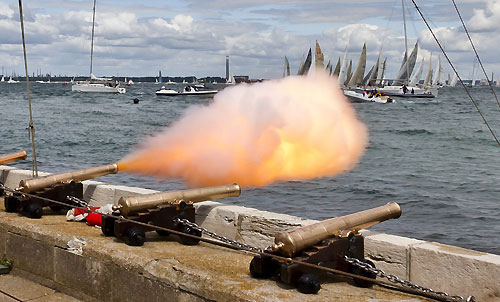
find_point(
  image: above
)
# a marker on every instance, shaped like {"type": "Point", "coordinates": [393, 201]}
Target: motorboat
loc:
{"type": "Point", "coordinates": [376, 97]}
{"type": "Point", "coordinates": [188, 90]}
{"type": "Point", "coordinates": [97, 87]}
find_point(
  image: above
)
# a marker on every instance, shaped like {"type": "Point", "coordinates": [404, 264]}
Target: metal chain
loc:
{"type": "Point", "coordinates": [405, 283]}
{"type": "Point", "coordinates": [218, 237]}
{"type": "Point", "coordinates": [77, 201]}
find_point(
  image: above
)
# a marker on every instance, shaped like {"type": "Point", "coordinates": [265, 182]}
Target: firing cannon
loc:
{"type": "Point", "coordinates": [325, 243]}
{"type": "Point", "coordinates": [54, 187]}
{"type": "Point", "coordinates": [164, 209]}
{"type": "Point", "coordinates": [8, 158]}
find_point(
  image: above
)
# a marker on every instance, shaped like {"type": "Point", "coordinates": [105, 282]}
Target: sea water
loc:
{"type": "Point", "coordinates": [435, 157]}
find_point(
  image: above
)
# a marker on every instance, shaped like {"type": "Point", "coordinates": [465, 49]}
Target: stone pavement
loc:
{"type": "Point", "coordinates": [14, 288]}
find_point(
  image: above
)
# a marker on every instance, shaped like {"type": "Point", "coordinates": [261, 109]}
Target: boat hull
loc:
{"type": "Point", "coordinates": [417, 92]}
{"type": "Point", "coordinates": [97, 88]}
{"type": "Point", "coordinates": [361, 98]}
{"type": "Point", "coordinates": [170, 92]}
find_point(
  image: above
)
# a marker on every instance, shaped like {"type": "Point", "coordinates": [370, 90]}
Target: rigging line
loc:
{"type": "Point", "coordinates": [475, 51]}
{"type": "Point", "coordinates": [456, 73]}
{"type": "Point", "coordinates": [246, 250]}
{"type": "Point", "coordinates": [31, 126]}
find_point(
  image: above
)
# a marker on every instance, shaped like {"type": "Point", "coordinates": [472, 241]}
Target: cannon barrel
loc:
{"type": "Point", "coordinates": [133, 204]}
{"type": "Point", "coordinates": [34, 184]}
{"type": "Point", "coordinates": [289, 243]}
{"type": "Point", "coordinates": [8, 158]}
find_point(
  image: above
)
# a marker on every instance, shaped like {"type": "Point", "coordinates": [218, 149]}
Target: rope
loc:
{"type": "Point", "coordinates": [456, 73]}
{"type": "Point", "coordinates": [247, 250]}
{"type": "Point", "coordinates": [31, 126]}
{"type": "Point", "coordinates": [475, 51]}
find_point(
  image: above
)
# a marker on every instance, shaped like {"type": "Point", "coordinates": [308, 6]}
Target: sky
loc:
{"type": "Point", "coordinates": [193, 37]}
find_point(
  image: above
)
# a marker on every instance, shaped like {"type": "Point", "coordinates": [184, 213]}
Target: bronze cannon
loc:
{"type": "Point", "coordinates": [10, 157]}
{"type": "Point", "coordinates": [163, 209]}
{"type": "Point", "coordinates": [52, 187]}
{"type": "Point", "coordinates": [327, 243]}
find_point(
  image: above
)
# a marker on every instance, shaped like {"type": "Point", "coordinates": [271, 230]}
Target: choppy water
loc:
{"type": "Point", "coordinates": [435, 157]}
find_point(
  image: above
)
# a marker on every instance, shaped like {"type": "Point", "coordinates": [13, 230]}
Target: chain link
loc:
{"type": "Point", "coordinates": [218, 237]}
{"type": "Point", "coordinates": [405, 283]}
{"type": "Point", "coordinates": [77, 201]}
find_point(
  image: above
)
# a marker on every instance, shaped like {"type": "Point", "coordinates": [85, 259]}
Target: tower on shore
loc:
{"type": "Point", "coordinates": [227, 68]}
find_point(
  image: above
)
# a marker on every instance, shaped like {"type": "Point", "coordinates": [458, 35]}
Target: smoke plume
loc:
{"type": "Point", "coordinates": [288, 129]}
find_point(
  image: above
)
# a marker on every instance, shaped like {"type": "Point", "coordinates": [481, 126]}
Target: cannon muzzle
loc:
{"type": "Point", "coordinates": [290, 243]}
{"type": "Point", "coordinates": [8, 158]}
{"type": "Point", "coordinates": [30, 185]}
{"type": "Point", "coordinates": [133, 204]}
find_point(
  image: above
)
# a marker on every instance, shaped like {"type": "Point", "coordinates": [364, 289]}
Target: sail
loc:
{"type": "Point", "coordinates": [328, 67]}
{"type": "Point", "coordinates": [286, 68]}
{"type": "Point", "coordinates": [357, 76]}
{"type": "Point", "coordinates": [304, 69]}
{"type": "Point", "coordinates": [159, 76]}
{"type": "Point", "coordinates": [407, 68]}
{"type": "Point", "coordinates": [428, 76]}
{"type": "Point", "coordinates": [319, 58]}
{"type": "Point", "coordinates": [368, 76]}
{"type": "Point", "coordinates": [343, 69]}
{"type": "Point", "coordinates": [417, 75]}
{"type": "Point", "coordinates": [348, 73]}
{"type": "Point", "coordinates": [380, 77]}
{"type": "Point", "coordinates": [454, 80]}
{"type": "Point", "coordinates": [336, 71]}
{"type": "Point", "coordinates": [438, 74]}
{"type": "Point", "coordinates": [373, 75]}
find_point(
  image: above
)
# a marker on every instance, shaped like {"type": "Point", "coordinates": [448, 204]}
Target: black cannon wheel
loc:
{"type": "Point", "coordinates": [135, 236]}
{"type": "Point", "coordinates": [34, 210]}
{"type": "Point", "coordinates": [308, 284]}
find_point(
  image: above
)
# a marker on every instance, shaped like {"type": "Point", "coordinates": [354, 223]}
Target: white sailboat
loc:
{"type": "Point", "coordinates": [12, 81]}
{"type": "Point", "coordinates": [3, 79]}
{"type": "Point", "coordinates": [97, 84]}
{"type": "Point", "coordinates": [400, 86]}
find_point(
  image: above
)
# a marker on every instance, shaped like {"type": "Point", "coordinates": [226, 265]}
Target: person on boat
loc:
{"type": "Point", "coordinates": [412, 91]}
{"type": "Point", "coordinates": [405, 89]}
{"type": "Point", "coordinates": [187, 88]}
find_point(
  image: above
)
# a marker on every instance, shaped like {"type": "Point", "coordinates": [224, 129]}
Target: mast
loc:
{"type": "Point", "coordinates": [406, 41]}
{"type": "Point", "coordinates": [92, 43]}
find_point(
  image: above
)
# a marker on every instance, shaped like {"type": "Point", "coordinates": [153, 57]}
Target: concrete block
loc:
{"type": "Point", "coordinates": [389, 253]}
{"type": "Point", "coordinates": [14, 176]}
{"type": "Point", "coordinates": [129, 285]}
{"type": "Point", "coordinates": [248, 225]}
{"type": "Point", "coordinates": [123, 191]}
{"type": "Point", "coordinates": [4, 170]}
{"type": "Point", "coordinates": [86, 274]}
{"type": "Point", "coordinates": [456, 271]}
{"type": "Point", "coordinates": [31, 255]}
{"type": "Point", "coordinates": [101, 194]}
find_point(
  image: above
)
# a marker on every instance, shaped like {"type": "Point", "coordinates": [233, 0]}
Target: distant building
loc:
{"type": "Point", "coordinates": [242, 79]}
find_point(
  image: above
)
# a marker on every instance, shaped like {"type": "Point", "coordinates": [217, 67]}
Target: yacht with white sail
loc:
{"type": "Point", "coordinates": [12, 81]}
{"type": "Point", "coordinates": [96, 84]}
